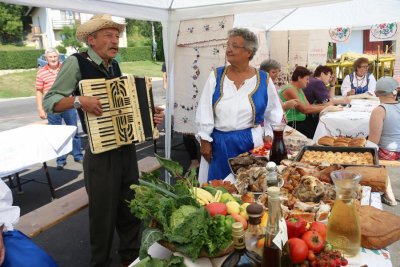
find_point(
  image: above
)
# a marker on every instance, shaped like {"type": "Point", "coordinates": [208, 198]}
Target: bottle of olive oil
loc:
{"type": "Point", "coordinates": [241, 257]}
{"type": "Point", "coordinates": [276, 248]}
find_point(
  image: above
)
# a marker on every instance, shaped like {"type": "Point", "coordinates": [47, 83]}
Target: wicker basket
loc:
{"type": "Point", "coordinates": [203, 253]}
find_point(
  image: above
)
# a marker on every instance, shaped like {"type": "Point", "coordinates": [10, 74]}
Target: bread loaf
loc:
{"type": "Point", "coordinates": [379, 228]}
{"type": "Point", "coordinates": [326, 141]}
{"type": "Point", "coordinates": [357, 142]}
{"type": "Point", "coordinates": [375, 177]}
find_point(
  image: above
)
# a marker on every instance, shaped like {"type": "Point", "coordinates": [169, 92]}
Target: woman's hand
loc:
{"type": "Point", "coordinates": [352, 92]}
{"type": "Point", "coordinates": [290, 104]}
{"type": "Point", "coordinates": [206, 150]}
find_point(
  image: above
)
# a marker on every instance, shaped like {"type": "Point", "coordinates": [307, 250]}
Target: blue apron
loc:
{"type": "Point", "coordinates": [359, 89]}
{"type": "Point", "coordinates": [22, 252]}
{"type": "Point", "coordinates": [227, 145]}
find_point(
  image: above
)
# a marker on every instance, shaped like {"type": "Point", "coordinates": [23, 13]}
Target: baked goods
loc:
{"type": "Point", "coordinates": [310, 189]}
{"type": "Point", "coordinates": [375, 177]}
{"type": "Point", "coordinates": [357, 142]}
{"type": "Point", "coordinates": [379, 228]}
{"type": "Point", "coordinates": [342, 141]}
{"type": "Point", "coordinates": [350, 158]}
{"type": "Point", "coordinates": [297, 214]}
{"type": "Point", "coordinates": [326, 141]}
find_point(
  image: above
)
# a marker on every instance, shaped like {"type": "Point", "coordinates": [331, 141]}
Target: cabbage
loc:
{"type": "Point", "coordinates": [178, 217]}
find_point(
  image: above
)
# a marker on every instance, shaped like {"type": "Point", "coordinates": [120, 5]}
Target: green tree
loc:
{"type": "Point", "coordinates": [11, 26]}
{"type": "Point", "coordinates": [139, 33]}
{"type": "Point", "coordinates": [69, 39]}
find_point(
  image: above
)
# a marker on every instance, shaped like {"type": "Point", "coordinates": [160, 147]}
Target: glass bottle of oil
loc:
{"type": "Point", "coordinates": [344, 232]}
{"type": "Point", "coordinates": [255, 231]}
{"type": "Point", "coordinates": [276, 249]}
{"type": "Point", "coordinates": [241, 257]}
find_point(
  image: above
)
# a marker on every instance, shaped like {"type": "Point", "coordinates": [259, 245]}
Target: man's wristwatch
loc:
{"type": "Point", "coordinates": [77, 103]}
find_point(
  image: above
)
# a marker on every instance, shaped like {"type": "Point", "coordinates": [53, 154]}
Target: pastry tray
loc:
{"type": "Point", "coordinates": [372, 150]}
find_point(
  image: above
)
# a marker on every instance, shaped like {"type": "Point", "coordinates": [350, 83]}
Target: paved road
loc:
{"type": "Point", "coordinates": [21, 111]}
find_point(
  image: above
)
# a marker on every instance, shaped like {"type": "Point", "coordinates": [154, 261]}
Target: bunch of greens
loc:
{"type": "Point", "coordinates": [179, 218]}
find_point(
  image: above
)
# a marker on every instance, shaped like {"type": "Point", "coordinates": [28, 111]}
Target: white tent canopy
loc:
{"type": "Point", "coordinates": [355, 14]}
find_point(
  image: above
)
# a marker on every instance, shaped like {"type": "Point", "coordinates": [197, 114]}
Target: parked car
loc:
{"type": "Point", "coordinates": [41, 61]}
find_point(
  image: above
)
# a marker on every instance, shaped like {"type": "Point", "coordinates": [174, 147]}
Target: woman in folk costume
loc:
{"type": "Point", "coordinates": [360, 81]}
{"type": "Point", "coordinates": [235, 101]}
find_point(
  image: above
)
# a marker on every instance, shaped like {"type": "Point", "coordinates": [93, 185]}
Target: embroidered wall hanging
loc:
{"type": "Point", "coordinates": [383, 32]}
{"type": "Point", "coordinates": [200, 46]}
{"type": "Point", "coordinates": [340, 34]}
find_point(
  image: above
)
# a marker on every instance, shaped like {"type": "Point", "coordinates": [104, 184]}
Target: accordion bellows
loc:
{"type": "Point", "coordinates": [127, 118]}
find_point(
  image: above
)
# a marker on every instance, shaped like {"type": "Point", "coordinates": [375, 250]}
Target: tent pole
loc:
{"type": "Point", "coordinates": [170, 93]}
{"type": "Point", "coordinates": [279, 21]}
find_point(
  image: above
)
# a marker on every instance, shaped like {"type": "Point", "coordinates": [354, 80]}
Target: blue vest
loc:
{"type": "Point", "coordinates": [258, 99]}
{"type": "Point", "coordinates": [359, 90]}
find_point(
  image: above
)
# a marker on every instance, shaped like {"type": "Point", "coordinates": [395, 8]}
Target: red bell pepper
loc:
{"type": "Point", "coordinates": [296, 227]}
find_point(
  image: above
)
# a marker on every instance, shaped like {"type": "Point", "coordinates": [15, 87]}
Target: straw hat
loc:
{"type": "Point", "coordinates": [97, 22]}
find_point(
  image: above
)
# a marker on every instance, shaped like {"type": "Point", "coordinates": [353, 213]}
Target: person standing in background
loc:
{"type": "Point", "coordinates": [164, 75]}
{"type": "Point", "coordinates": [44, 80]}
{"type": "Point", "coordinates": [273, 68]}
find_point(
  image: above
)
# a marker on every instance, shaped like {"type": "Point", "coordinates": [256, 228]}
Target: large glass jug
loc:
{"type": "Point", "coordinates": [344, 231]}
{"type": "Point", "coordinates": [278, 149]}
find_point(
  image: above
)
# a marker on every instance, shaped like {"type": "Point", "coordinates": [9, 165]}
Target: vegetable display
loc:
{"type": "Point", "coordinates": [174, 214]}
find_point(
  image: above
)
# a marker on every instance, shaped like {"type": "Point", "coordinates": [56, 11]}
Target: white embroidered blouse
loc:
{"type": "Point", "coordinates": [233, 111]}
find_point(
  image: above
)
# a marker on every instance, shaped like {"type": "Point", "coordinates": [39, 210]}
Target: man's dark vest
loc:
{"type": "Point", "coordinates": [90, 70]}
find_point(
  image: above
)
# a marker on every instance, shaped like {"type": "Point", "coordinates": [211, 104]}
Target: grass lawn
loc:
{"type": "Point", "coordinates": [15, 47]}
{"type": "Point", "coordinates": [22, 84]}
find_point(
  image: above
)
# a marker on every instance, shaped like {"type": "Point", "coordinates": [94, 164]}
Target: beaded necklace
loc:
{"type": "Point", "coordinates": [359, 80]}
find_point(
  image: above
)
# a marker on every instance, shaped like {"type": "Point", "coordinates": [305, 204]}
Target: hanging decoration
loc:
{"type": "Point", "coordinates": [340, 34]}
{"type": "Point", "coordinates": [200, 47]}
{"type": "Point", "coordinates": [383, 32]}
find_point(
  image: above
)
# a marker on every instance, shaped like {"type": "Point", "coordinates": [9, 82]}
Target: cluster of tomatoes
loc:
{"type": "Point", "coordinates": [309, 248]}
{"type": "Point", "coordinates": [262, 150]}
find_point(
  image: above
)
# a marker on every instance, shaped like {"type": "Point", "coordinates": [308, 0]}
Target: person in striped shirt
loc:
{"type": "Point", "coordinates": [44, 80]}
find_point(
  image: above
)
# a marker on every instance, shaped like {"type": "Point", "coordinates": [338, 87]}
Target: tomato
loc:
{"type": "Point", "coordinates": [311, 255]}
{"type": "Point", "coordinates": [314, 241]}
{"type": "Point", "coordinates": [343, 262]}
{"type": "Point", "coordinates": [217, 208]}
{"type": "Point", "coordinates": [320, 228]}
{"type": "Point", "coordinates": [298, 250]}
{"type": "Point", "coordinates": [240, 219]}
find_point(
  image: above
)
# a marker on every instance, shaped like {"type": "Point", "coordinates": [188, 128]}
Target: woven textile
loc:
{"type": "Point", "coordinates": [200, 48]}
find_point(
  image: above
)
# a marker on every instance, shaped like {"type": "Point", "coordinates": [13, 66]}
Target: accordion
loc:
{"type": "Point", "coordinates": [127, 118]}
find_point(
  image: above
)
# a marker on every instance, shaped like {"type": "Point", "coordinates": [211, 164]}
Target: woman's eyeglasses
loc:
{"type": "Point", "coordinates": [233, 46]}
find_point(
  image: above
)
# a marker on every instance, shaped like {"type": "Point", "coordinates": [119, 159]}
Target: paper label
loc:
{"type": "Point", "coordinates": [281, 238]}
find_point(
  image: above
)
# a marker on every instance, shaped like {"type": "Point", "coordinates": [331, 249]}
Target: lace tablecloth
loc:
{"type": "Point", "coordinates": [351, 122]}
